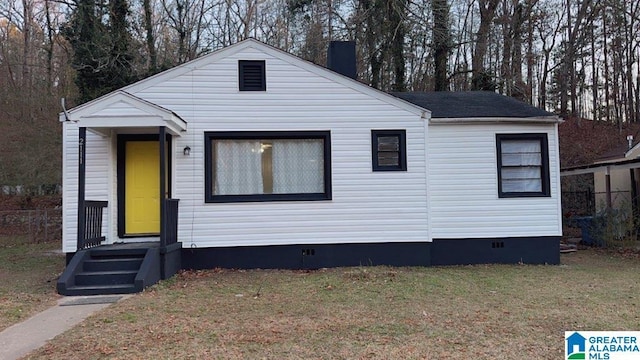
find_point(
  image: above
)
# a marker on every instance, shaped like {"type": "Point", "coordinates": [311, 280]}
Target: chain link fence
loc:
{"type": "Point", "coordinates": [39, 225]}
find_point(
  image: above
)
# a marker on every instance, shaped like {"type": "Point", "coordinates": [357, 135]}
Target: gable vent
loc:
{"type": "Point", "coordinates": [252, 75]}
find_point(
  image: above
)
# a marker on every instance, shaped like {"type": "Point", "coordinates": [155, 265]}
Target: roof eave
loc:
{"type": "Point", "coordinates": [601, 167]}
{"type": "Point", "coordinates": [496, 120]}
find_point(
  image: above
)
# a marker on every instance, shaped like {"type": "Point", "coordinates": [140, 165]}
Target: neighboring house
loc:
{"type": "Point", "coordinates": [616, 178]}
{"type": "Point", "coordinates": [270, 161]}
{"type": "Point", "coordinates": [623, 185]}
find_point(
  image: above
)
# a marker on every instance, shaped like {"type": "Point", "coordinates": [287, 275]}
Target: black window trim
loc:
{"type": "Point", "coordinates": [402, 153]}
{"type": "Point", "coordinates": [544, 145]}
{"type": "Point", "coordinates": [265, 135]}
{"type": "Point", "coordinates": [241, 76]}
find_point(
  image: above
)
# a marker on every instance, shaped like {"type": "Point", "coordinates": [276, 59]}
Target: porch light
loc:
{"type": "Point", "coordinates": [186, 151]}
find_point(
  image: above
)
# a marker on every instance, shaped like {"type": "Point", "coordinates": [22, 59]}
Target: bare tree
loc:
{"type": "Point", "coordinates": [441, 43]}
{"type": "Point", "coordinates": [481, 80]}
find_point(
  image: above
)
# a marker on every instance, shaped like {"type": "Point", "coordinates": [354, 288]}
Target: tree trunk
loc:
{"type": "Point", "coordinates": [530, 55]}
{"type": "Point", "coordinates": [480, 79]}
{"type": "Point", "coordinates": [594, 76]}
{"type": "Point", "coordinates": [518, 87]}
{"type": "Point", "coordinates": [396, 12]}
{"type": "Point", "coordinates": [507, 43]}
{"type": "Point", "coordinates": [606, 65]}
{"type": "Point", "coordinates": [150, 38]}
{"type": "Point", "coordinates": [629, 39]}
{"type": "Point", "coordinates": [372, 48]}
{"type": "Point", "coordinates": [50, 47]}
{"type": "Point", "coordinates": [567, 66]}
{"type": "Point", "coordinates": [441, 41]}
{"type": "Point", "coordinates": [575, 30]}
{"type": "Point", "coordinates": [27, 113]}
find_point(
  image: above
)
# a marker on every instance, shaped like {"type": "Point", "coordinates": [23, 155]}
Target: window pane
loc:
{"type": "Point", "coordinates": [278, 166]}
{"type": "Point", "coordinates": [388, 158]}
{"type": "Point", "coordinates": [388, 143]}
{"type": "Point", "coordinates": [522, 185]}
{"type": "Point", "coordinates": [266, 147]}
{"type": "Point", "coordinates": [298, 166]}
{"type": "Point", "coordinates": [521, 173]}
{"type": "Point", "coordinates": [237, 167]}
{"type": "Point", "coordinates": [248, 166]}
{"type": "Point", "coordinates": [521, 159]}
{"type": "Point", "coordinates": [520, 146]}
{"type": "Point", "coordinates": [521, 170]}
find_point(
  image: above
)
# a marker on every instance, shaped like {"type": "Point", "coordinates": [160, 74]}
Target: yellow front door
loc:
{"type": "Point", "coordinates": [142, 188]}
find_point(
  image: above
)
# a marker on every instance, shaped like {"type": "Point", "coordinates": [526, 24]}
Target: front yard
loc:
{"type": "Point", "coordinates": [28, 274]}
{"type": "Point", "coordinates": [478, 312]}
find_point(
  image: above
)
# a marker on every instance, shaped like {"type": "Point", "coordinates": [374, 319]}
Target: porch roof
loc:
{"type": "Point", "coordinates": [121, 110]}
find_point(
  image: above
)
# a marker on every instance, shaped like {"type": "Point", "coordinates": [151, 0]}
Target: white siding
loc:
{"type": "Point", "coordinates": [121, 107]}
{"type": "Point", "coordinates": [366, 206]}
{"type": "Point", "coordinates": [98, 152]}
{"type": "Point", "coordinates": [463, 186]}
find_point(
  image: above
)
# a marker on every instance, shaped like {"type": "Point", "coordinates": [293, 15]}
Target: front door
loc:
{"type": "Point", "coordinates": [142, 188]}
{"type": "Point", "coordinates": [138, 186]}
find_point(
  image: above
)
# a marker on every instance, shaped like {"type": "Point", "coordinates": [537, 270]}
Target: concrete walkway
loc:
{"type": "Point", "coordinates": [20, 339]}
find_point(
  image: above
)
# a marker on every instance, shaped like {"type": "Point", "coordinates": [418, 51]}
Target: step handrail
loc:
{"type": "Point", "coordinates": [90, 233]}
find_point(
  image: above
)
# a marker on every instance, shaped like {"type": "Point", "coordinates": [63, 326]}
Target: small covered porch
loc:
{"type": "Point", "coordinates": [126, 239]}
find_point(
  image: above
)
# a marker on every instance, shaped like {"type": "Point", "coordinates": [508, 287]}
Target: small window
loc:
{"type": "Point", "coordinates": [252, 75]}
{"type": "Point", "coordinates": [388, 150]}
{"type": "Point", "coordinates": [267, 166]}
{"type": "Point", "coordinates": [523, 165]}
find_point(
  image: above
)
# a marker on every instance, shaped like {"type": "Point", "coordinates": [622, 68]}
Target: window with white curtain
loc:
{"type": "Point", "coordinates": [523, 165]}
{"type": "Point", "coordinates": [267, 166]}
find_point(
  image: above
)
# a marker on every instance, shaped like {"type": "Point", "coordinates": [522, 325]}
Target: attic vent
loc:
{"type": "Point", "coordinates": [252, 75]}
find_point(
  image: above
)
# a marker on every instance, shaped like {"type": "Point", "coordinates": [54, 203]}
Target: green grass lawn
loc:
{"type": "Point", "coordinates": [463, 312]}
{"type": "Point", "coordinates": [28, 273]}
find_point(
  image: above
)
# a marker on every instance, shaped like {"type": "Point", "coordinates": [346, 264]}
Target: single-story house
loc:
{"type": "Point", "coordinates": [251, 157]}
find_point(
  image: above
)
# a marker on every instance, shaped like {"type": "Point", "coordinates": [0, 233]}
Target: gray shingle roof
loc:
{"type": "Point", "coordinates": [472, 104]}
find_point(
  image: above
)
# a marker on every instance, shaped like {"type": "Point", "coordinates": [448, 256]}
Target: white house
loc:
{"type": "Point", "coordinates": [270, 161]}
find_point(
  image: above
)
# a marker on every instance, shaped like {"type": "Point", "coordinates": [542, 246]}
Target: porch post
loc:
{"type": "Point", "coordinates": [607, 178]}
{"type": "Point", "coordinates": [82, 139]}
{"type": "Point", "coordinates": [163, 171]}
{"type": "Point", "coordinates": [634, 192]}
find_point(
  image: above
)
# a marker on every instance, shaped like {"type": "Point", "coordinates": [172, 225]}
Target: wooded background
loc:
{"type": "Point", "coordinates": [578, 58]}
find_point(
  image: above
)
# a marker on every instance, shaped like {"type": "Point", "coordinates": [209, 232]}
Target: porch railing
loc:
{"type": "Point", "coordinates": [90, 234]}
{"type": "Point", "coordinates": [169, 232]}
